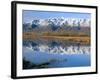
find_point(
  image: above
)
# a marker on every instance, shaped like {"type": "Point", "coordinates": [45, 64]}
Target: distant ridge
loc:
{"type": "Point", "coordinates": [55, 24]}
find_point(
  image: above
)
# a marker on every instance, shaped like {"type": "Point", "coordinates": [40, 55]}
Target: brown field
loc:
{"type": "Point", "coordinates": [75, 38]}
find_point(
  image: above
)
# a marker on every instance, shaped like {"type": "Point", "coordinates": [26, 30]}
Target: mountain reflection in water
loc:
{"type": "Point", "coordinates": [43, 53]}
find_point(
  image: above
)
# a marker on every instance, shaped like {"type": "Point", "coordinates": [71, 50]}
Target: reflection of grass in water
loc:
{"type": "Point", "coordinates": [30, 65]}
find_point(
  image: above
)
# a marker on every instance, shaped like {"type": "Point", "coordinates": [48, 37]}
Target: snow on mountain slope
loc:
{"type": "Point", "coordinates": [59, 22]}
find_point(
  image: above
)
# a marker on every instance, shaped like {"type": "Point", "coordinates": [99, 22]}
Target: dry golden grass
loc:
{"type": "Point", "coordinates": [76, 39]}
{"type": "Point", "coordinates": [69, 38]}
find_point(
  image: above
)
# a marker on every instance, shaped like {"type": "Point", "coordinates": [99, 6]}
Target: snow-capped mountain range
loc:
{"type": "Point", "coordinates": [55, 23]}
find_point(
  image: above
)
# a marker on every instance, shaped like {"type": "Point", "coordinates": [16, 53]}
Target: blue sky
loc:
{"type": "Point", "coordinates": [29, 15]}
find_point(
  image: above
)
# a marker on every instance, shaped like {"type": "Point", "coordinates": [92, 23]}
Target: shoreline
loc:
{"type": "Point", "coordinates": [74, 39]}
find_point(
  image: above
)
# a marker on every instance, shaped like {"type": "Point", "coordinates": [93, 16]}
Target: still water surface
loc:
{"type": "Point", "coordinates": [44, 53]}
